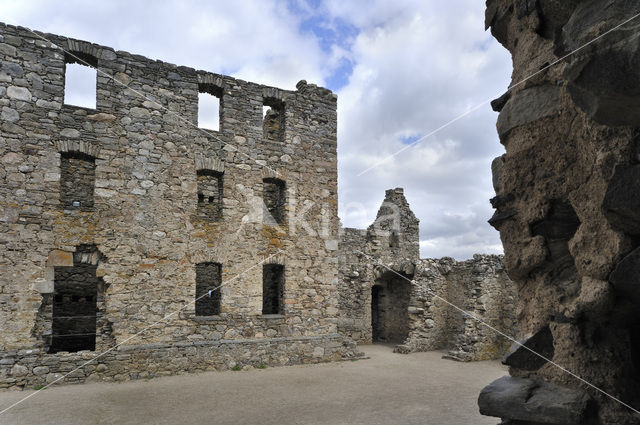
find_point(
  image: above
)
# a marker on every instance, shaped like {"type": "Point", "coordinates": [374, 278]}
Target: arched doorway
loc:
{"type": "Point", "coordinates": [389, 309]}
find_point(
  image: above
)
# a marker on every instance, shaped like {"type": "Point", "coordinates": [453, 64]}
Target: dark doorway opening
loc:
{"type": "Point", "coordinates": [74, 308]}
{"type": "Point", "coordinates": [389, 309]}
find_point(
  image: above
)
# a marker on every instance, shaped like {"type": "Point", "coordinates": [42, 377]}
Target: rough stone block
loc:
{"type": "Point", "coordinates": [19, 370]}
{"type": "Point", "coordinates": [44, 286]}
{"type": "Point", "coordinates": [599, 83]}
{"type": "Point", "coordinates": [528, 106]}
{"type": "Point", "coordinates": [59, 258]}
{"type": "Point", "coordinates": [18, 93]}
{"type": "Point", "coordinates": [535, 401]}
{"type": "Point", "coordinates": [625, 278]}
{"type": "Point", "coordinates": [621, 202]}
{"type": "Point", "coordinates": [40, 370]}
{"type": "Point", "coordinates": [523, 358]}
{"type": "Point", "coordinates": [9, 114]}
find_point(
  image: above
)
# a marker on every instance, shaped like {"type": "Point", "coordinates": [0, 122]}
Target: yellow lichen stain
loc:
{"type": "Point", "coordinates": [274, 236]}
{"type": "Point", "coordinates": [82, 226]}
{"type": "Point", "coordinates": [10, 204]}
{"type": "Point", "coordinates": [488, 352]}
{"type": "Point", "coordinates": [207, 230]}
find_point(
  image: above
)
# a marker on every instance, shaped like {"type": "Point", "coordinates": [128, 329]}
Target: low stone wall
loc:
{"type": "Point", "coordinates": [26, 369]}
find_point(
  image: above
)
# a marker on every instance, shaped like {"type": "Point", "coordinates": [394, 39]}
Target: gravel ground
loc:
{"type": "Point", "coordinates": [387, 388]}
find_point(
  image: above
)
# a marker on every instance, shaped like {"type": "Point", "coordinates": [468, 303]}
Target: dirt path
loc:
{"type": "Point", "coordinates": [388, 388]}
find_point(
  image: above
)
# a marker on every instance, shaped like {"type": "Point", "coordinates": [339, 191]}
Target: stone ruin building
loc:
{"type": "Point", "coordinates": [113, 218]}
{"type": "Point", "coordinates": [129, 232]}
{"type": "Point", "coordinates": [389, 294]}
{"type": "Point", "coordinates": [567, 208]}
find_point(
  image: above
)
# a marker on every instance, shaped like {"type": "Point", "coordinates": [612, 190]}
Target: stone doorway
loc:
{"type": "Point", "coordinates": [389, 309]}
{"type": "Point", "coordinates": [75, 302]}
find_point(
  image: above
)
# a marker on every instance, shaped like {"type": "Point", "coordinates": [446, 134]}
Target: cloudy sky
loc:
{"type": "Point", "coordinates": [400, 68]}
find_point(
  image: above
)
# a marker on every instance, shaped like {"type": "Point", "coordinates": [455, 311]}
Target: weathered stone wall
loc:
{"type": "Point", "coordinates": [372, 261]}
{"type": "Point", "coordinates": [480, 287]}
{"type": "Point", "coordinates": [391, 240]}
{"type": "Point", "coordinates": [145, 222]}
{"type": "Point", "coordinates": [28, 368]}
{"type": "Point", "coordinates": [567, 191]}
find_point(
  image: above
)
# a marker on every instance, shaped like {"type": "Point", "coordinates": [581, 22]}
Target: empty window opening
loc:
{"type": "Point", "coordinates": [77, 180]}
{"type": "Point", "coordinates": [74, 308]}
{"type": "Point", "coordinates": [390, 309]}
{"type": "Point", "coordinates": [80, 80]}
{"type": "Point", "coordinates": [274, 198]}
{"type": "Point", "coordinates": [394, 240]}
{"type": "Point", "coordinates": [272, 289]}
{"type": "Point", "coordinates": [273, 120]}
{"type": "Point", "coordinates": [209, 195]}
{"type": "Point", "coordinates": [208, 295]}
{"type": "Point", "coordinates": [209, 107]}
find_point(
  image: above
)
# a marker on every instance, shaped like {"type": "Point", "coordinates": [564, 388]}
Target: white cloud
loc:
{"type": "Point", "coordinates": [259, 41]}
{"type": "Point", "coordinates": [419, 65]}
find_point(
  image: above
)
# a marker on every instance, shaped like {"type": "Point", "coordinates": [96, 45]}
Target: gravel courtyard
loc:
{"type": "Point", "coordinates": [387, 388]}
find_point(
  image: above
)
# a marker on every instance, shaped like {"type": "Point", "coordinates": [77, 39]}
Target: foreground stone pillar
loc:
{"type": "Point", "coordinates": [567, 208]}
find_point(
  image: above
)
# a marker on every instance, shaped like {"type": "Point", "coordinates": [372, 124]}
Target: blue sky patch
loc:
{"type": "Point", "coordinates": [329, 33]}
{"type": "Point", "coordinates": [408, 140]}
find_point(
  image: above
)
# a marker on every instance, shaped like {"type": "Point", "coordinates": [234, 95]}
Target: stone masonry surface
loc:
{"type": "Point", "coordinates": [130, 194]}
{"type": "Point", "coordinates": [567, 208]}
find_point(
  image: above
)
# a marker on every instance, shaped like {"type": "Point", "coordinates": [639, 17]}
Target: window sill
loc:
{"type": "Point", "coordinates": [70, 210]}
{"type": "Point", "coordinates": [272, 316]}
{"type": "Point", "coordinates": [67, 107]}
{"type": "Point", "coordinates": [210, 130]}
{"type": "Point", "coordinates": [214, 318]}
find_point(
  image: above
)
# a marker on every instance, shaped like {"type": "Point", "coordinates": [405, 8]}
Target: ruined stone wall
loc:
{"type": "Point", "coordinates": [392, 240]}
{"type": "Point", "coordinates": [490, 296]}
{"type": "Point", "coordinates": [480, 287]}
{"type": "Point", "coordinates": [145, 221]}
{"type": "Point", "coordinates": [373, 258]}
{"type": "Point", "coordinates": [567, 190]}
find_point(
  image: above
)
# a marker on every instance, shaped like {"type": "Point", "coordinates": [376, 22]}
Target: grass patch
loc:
{"type": "Point", "coordinates": [262, 366]}
{"type": "Point", "coordinates": [38, 387]}
{"type": "Point", "coordinates": [237, 367]}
